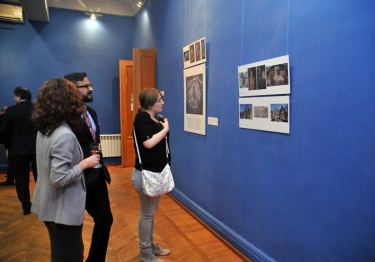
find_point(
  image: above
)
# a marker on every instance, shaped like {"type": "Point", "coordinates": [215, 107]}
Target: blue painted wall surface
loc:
{"type": "Point", "coordinates": [32, 53]}
{"type": "Point", "coordinates": [306, 196]}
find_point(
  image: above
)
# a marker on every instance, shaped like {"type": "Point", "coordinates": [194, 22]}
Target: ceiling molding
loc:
{"type": "Point", "coordinates": [37, 10]}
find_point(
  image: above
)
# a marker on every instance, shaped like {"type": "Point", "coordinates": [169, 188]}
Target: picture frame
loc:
{"type": "Point", "coordinates": [267, 77]}
{"type": "Point", "coordinates": [195, 99]}
{"type": "Point", "coordinates": [194, 53]}
{"type": "Point", "coordinates": [268, 113]}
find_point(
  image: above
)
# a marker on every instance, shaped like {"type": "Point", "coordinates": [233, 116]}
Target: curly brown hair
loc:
{"type": "Point", "coordinates": [58, 100]}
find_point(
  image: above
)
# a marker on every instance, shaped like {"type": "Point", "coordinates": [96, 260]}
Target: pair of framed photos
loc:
{"type": "Point", "coordinates": [265, 78]}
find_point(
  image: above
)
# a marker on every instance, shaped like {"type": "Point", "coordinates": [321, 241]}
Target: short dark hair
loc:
{"type": "Point", "coordinates": [22, 93]}
{"type": "Point", "coordinates": [75, 77]}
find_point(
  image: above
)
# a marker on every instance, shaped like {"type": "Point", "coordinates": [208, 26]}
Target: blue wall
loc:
{"type": "Point", "coordinates": [306, 196]}
{"type": "Point", "coordinates": [32, 53]}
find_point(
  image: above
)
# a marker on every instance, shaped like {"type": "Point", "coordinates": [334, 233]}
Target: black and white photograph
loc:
{"type": "Point", "coordinates": [279, 113]}
{"type": "Point", "coordinates": [246, 111]}
{"type": "Point", "coordinates": [195, 99]}
{"type": "Point", "coordinates": [194, 94]}
{"type": "Point", "coordinates": [266, 77]}
{"type": "Point", "coordinates": [277, 75]}
{"type": "Point", "coordinates": [267, 113]}
{"type": "Point", "coordinates": [243, 80]}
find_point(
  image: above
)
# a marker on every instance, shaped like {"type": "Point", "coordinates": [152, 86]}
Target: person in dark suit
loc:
{"type": "Point", "coordinates": [10, 177]}
{"type": "Point", "coordinates": [21, 134]}
{"type": "Point", "coordinates": [97, 199]}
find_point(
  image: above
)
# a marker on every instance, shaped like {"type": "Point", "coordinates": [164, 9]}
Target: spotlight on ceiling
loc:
{"type": "Point", "coordinates": [139, 4]}
{"type": "Point", "coordinates": [93, 16]}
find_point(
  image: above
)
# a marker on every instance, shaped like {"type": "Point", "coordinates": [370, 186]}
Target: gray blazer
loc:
{"type": "Point", "coordinates": [60, 192]}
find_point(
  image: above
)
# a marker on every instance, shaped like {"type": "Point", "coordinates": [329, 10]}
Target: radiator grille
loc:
{"type": "Point", "coordinates": [111, 145]}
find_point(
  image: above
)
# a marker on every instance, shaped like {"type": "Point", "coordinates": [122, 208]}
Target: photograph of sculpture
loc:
{"type": "Point", "coordinates": [267, 77]}
{"type": "Point", "coordinates": [192, 56]}
{"type": "Point", "coordinates": [261, 111]}
{"type": "Point", "coordinates": [261, 77]}
{"type": "Point", "coordinates": [267, 113]}
{"type": "Point", "coordinates": [279, 113]}
{"type": "Point", "coordinates": [196, 53]}
{"type": "Point", "coordinates": [186, 56]}
{"type": "Point", "coordinates": [203, 48]}
{"type": "Point", "coordinates": [195, 99]}
{"type": "Point", "coordinates": [252, 82]}
{"type": "Point", "coordinates": [277, 75]}
{"type": "Point", "coordinates": [243, 80]}
{"type": "Point", "coordinates": [246, 111]}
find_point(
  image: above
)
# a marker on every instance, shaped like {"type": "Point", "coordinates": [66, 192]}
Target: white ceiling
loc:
{"type": "Point", "coordinates": [36, 9]}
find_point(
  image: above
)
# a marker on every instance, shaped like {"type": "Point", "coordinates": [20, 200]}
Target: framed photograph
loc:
{"type": "Point", "coordinates": [194, 53]}
{"type": "Point", "coordinates": [267, 77]}
{"type": "Point", "coordinates": [195, 99]}
{"type": "Point", "coordinates": [270, 113]}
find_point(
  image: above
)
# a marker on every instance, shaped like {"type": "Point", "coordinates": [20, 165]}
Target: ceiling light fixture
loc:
{"type": "Point", "coordinates": [93, 15]}
{"type": "Point", "coordinates": [139, 4]}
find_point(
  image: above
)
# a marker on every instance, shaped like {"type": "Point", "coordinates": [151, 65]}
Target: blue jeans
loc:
{"type": "Point", "coordinates": [149, 205]}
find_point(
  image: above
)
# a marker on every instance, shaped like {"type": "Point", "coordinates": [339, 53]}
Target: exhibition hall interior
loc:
{"type": "Point", "coordinates": [269, 106]}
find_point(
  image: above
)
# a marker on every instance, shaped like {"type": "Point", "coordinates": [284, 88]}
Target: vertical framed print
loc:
{"type": "Point", "coordinates": [195, 99]}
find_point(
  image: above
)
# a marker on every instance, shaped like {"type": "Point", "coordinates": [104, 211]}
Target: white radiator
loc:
{"type": "Point", "coordinates": [111, 145]}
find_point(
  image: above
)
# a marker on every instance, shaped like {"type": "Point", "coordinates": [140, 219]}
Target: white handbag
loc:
{"type": "Point", "coordinates": [156, 183]}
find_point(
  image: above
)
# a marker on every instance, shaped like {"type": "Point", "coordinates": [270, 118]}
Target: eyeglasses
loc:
{"type": "Point", "coordinates": [86, 86]}
{"type": "Point", "coordinates": [159, 101]}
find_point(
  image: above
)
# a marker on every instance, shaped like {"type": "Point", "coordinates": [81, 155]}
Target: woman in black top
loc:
{"type": "Point", "coordinates": [150, 134]}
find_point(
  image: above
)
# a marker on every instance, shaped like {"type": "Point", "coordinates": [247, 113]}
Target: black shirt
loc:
{"type": "Point", "coordinates": [153, 159]}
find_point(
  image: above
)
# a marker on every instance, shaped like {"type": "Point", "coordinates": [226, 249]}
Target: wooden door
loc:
{"type": "Point", "coordinates": [134, 76]}
{"type": "Point", "coordinates": [126, 113]}
{"type": "Point", "coordinates": [144, 71]}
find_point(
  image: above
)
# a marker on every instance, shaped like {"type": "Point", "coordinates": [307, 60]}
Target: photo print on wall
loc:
{"type": "Point", "coordinates": [194, 53]}
{"type": "Point", "coordinates": [267, 77]}
{"type": "Point", "coordinates": [268, 113]}
{"type": "Point", "coordinates": [195, 99]}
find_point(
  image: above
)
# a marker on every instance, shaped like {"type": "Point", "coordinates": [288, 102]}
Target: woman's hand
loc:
{"type": "Point", "coordinates": [90, 162]}
{"type": "Point", "coordinates": [165, 124]}
{"type": "Point", "coordinates": [155, 139]}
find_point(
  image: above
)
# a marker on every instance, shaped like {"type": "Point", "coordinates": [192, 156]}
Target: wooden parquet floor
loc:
{"type": "Point", "coordinates": [25, 238]}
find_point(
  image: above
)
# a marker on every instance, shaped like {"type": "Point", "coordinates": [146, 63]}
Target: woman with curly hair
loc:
{"type": "Point", "coordinates": [60, 193]}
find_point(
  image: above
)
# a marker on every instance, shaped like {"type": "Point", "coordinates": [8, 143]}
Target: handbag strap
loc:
{"type": "Point", "coordinates": [139, 155]}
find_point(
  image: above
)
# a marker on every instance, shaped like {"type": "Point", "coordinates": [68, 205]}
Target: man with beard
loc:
{"type": "Point", "coordinates": [97, 200]}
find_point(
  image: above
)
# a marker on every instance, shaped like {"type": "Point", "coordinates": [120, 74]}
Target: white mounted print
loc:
{"type": "Point", "coordinates": [195, 53]}
{"type": "Point", "coordinates": [267, 77]}
{"type": "Point", "coordinates": [195, 99]}
{"type": "Point", "coordinates": [270, 113]}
